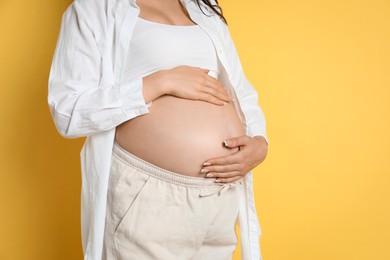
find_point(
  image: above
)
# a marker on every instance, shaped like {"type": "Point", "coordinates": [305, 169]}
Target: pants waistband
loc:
{"type": "Point", "coordinates": [170, 176]}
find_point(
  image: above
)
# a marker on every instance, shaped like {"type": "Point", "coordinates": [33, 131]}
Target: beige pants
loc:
{"type": "Point", "coordinates": [153, 213]}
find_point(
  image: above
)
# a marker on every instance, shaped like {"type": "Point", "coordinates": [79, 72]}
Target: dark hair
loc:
{"type": "Point", "coordinates": [219, 13]}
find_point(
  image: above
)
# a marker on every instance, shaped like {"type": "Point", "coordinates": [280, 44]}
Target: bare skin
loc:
{"type": "Point", "coordinates": [167, 11]}
{"type": "Point", "coordinates": [190, 117]}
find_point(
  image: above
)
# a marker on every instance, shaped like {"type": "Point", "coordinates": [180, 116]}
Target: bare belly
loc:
{"type": "Point", "coordinates": [180, 134]}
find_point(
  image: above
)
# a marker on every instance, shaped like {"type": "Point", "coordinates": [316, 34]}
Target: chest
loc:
{"type": "Point", "coordinates": [158, 46]}
{"type": "Point", "coordinates": [114, 40]}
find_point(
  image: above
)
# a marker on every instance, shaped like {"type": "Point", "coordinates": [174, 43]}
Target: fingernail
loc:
{"type": "Point", "coordinates": [204, 170]}
{"type": "Point", "coordinates": [225, 142]}
{"type": "Point", "coordinates": [206, 164]}
{"type": "Point", "coordinates": [217, 180]}
{"type": "Point", "coordinates": [209, 175]}
{"type": "Point", "coordinates": [223, 103]}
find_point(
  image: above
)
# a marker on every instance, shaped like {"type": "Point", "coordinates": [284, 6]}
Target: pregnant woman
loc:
{"type": "Point", "coordinates": [173, 129]}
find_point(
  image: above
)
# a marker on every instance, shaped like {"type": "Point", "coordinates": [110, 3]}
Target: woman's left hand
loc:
{"type": "Point", "coordinates": [252, 152]}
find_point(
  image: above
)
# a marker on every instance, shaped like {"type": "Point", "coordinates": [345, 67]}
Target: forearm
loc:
{"type": "Point", "coordinates": [153, 86]}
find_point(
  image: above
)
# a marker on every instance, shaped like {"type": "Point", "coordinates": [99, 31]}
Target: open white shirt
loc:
{"type": "Point", "coordinates": [87, 98]}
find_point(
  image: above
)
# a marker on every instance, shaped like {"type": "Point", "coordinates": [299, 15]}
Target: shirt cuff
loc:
{"type": "Point", "coordinates": [130, 94]}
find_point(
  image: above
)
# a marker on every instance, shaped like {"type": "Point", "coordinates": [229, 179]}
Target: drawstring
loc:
{"type": "Point", "coordinates": [220, 189]}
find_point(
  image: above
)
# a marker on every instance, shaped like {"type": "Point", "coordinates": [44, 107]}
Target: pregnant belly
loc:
{"type": "Point", "coordinates": [180, 134]}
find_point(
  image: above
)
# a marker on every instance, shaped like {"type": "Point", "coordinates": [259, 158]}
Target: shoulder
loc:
{"type": "Point", "coordinates": [88, 10]}
{"type": "Point", "coordinates": [91, 14]}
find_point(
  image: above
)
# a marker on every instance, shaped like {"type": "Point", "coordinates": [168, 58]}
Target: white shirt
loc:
{"type": "Point", "coordinates": [87, 98]}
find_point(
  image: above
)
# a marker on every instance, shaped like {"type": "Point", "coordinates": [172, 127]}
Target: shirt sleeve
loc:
{"type": "Point", "coordinates": [79, 104]}
{"type": "Point", "coordinates": [246, 94]}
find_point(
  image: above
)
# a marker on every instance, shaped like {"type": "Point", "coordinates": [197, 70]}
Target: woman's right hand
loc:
{"type": "Point", "coordinates": [193, 83]}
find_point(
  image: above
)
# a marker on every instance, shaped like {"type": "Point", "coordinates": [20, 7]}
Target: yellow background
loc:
{"type": "Point", "coordinates": [322, 72]}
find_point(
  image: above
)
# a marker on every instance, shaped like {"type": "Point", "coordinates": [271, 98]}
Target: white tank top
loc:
{"type": "Point", "coordinates": [155, 46]}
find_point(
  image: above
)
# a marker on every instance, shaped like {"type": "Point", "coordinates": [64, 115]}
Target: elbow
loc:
{"type": "Point", "coordinates": [62, 126]}
{"type": "Point", "coordinates": [64, 133]}
{"type": "Point", "coordinates": [61, 123]}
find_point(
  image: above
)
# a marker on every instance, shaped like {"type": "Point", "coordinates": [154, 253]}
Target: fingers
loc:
{"type": "Point", "coordinates": [226, 173]}
{"type": "Point", "coordinates": [223, 174]}
{"type": "Point", "coordinates": [204, 88]}
{"type": "Point", "coordinates": [212, 86]}
{"type": "Point", "coordinates": [226, 180]}
{"type": "Point", "coordinates": [198, 68]}
{"type": "Point", "coordinates": [238, 141]}
{"type": "Point", "coordinates": [222, 168]}
{"type": "Point", "coordinates": [228, 159]}
{"type": "Point", "coordinates": [203, 96]}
